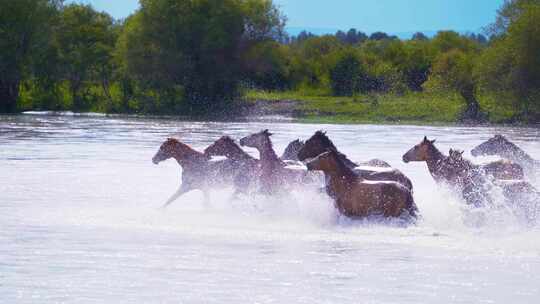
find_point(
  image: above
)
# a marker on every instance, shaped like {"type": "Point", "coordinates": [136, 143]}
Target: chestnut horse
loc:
{"type": "Point", "coordinates": [356, 197]}
{"type": "Point", "coordinates": [197, 171]}
{"type": "Point", "coordinates": [320, 143]}
{"type": "Point", "coordinates": [501, 146]}
{"type": "Point", "coordinates": [274, 177]}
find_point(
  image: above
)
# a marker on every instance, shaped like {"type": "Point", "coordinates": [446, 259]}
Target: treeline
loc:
{"type": "Point", "coordinates": [198, 56]}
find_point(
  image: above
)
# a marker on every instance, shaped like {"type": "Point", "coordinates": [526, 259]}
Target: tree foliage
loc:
{"type": "Point", "coordinates": [86, 41]}
{"type": "Point", "coordinates": [197, 56]}
{"type": "Point", "coordinates": [26, 27]}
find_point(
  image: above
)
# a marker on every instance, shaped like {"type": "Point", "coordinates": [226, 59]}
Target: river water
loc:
{"type": "Point", "coordinates": [80, 223]}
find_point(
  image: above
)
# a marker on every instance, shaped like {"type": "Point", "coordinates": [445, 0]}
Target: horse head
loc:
{"type": "Point", "coordinates": [420, 152]}
{"type": "Point", "coordinates": [172, 147]}
{"type": "Point", "coordinates": [315, 145]}
{"type": "Point", "coordinates": [493, 146]}
{"type": "Point", "coordinates": [328, 161]}
{"type": "Point", "coordinates": [257, 140]}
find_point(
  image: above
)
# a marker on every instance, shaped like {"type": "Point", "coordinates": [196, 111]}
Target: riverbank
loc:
{"type": "Point", "coordinates": [418, 108]}
{"type": "Point", "coordinates": [410, 108]}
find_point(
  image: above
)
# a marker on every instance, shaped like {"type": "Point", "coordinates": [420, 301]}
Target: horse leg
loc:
{"type": "Point", "coordinates": [183, 189]}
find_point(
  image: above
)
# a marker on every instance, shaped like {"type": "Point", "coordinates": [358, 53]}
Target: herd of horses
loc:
{"type": "Point", "coordinates": [358, 189]}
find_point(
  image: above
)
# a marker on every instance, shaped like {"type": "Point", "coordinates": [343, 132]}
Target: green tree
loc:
{"type": "Point", "coordinates": [509, 12]}
{"type": "Point", "coordinates": [194, 48]}
{"type": "Point", "coordinates": [25, 32]}
{"type": "Point", "coordinates": [86, 40]}
{"type": "Point", "coordinates": [312, 59]}
{"type": "Point", "coordinates": [267, 66]}
{"type": "Point", "coordinates": [347, 74]}
{"type": "Point", "coordinates": [445, 41]}
{"type": "Point", "coordinates": [512, 63]}
{"type": "Point", "coordinates": [419, 36]}
{"type": "Point", "coordinates": [453, 71]}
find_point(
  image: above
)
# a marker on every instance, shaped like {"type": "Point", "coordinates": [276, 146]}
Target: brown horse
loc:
{"type": "Point", "coordinates": [226, 146]}
{"type": "Point", "coordinates": [521, 195]}
{"type": "Point", "coordinates": [461, 174]}
{"type": "Point", "coordinates": [274, 177]}
{"type": "Point", "coordinates": [320, 143]}
{"type": "Point", "coordinates": [248, 168]}
{"type": "Point", "coordinates": [197, 171]}
{"type": "Point", "coordinates": [501, 146]}
{"type": "Point", "coordinates": [356, 197]}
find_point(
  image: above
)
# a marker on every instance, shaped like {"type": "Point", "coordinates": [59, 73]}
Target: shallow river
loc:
{"type": "Point", "coordinates": [80, 223]}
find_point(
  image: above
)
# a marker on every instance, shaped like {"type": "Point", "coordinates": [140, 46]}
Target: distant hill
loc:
{"type": "Point", "coordinates": [294, 31]}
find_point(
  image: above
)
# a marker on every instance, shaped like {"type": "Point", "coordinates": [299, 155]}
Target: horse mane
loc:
{"type": "Point", "coordinates": [435, 150]}
{"type": "Point", "coordinates": [187, 148]}
{"type": "Point", "coordinates": [330, 145]}
{"type": "Point", "coordinates": [342, 164]}
{"type": "Point", "coordinates": [519, 153]}
{"type": "Point", "coordinates": [291, 151]}
{"type": "Point", "coordinates": [325, 139]}
{"type": "Point", "coordinates": [509, 143]}
{"type": "Point", "coordinates": [233, 143]}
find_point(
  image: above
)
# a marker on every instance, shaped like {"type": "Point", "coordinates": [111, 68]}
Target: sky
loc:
{"type": "Point", "coordinates": [391, 16]}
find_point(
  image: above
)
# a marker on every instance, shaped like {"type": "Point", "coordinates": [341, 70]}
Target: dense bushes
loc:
{"type": "Point", "coordinates": [195, 56]}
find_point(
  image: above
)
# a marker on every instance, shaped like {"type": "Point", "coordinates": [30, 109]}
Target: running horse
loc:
{"type": "Point", "coordinates": [275, 176]}
{"type": "Point", "coordinates": [249, 168]}
{"type": "Point", "coordinates": [375, 169]}
{"type": "Point", "coordinates": [292, 149]}
{"type": "Point", "coordinates": [519, 194]}
{"type": "Point", "coordinates": [462, 175]}
{"type": "Point", "coordinates": [355, 196]}
{"type": "Point", "coordinates": [198, 172]}
{"type": "Point", "coordinates": [501, 146]}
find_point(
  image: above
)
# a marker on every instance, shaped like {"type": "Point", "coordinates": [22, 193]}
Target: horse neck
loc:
{"type": "Point", "coordinates": [189, 157]}
{"type": "Point", "coordinates": [343, 172]}
{"type": "Point", "coordinates": [516, 154]}
{"type": "Point", "coordinates": [267, 153]}
{"type": "Point", "coordinates": [236, 153]}
{"type": "Point", "coordinates": [347, 162]}
{"type": "Point", "coordinates": [434, 161]}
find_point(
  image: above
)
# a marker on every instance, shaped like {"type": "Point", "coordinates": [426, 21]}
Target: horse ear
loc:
{"type": "Point", "coordinates": [461, 153]}
{"type": "Point", "coordinates": [433, 141]}
{"type": "Point", "coordinates": [425, 139]}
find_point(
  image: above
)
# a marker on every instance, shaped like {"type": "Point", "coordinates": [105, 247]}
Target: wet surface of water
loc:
{"type": "Point", "coordinates": [80, 223]}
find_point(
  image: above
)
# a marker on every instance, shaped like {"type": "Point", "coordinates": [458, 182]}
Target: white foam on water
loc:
{"type": "Point", "coordinates": [80, 221]}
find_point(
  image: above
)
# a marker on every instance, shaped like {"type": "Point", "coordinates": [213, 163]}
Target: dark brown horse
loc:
{"type": "Point", "coordinates": [320, 143]}
{"type": "Point", "coordinates": [357, 197]}
{"type": "Point", "coordinates": [198, 172]}
{"type": "Point", "coordinates": [274, 177]}
{"type": "Point", "coordinates": [292, 149]}
{"type": "Point", "coordinates": [501, 146]}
